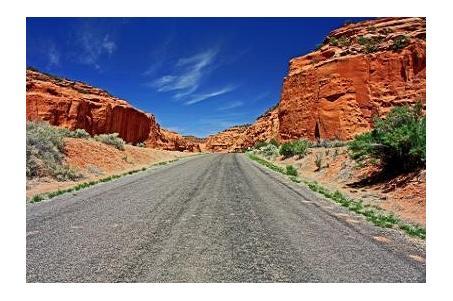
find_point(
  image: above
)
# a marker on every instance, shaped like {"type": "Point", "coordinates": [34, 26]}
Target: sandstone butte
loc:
{"type": "Point", "coordinates": [335, 91]}
{"type": "Point", "coordinates": [330, 93]}
{"type": "Point", "coordinates": [74, 104]}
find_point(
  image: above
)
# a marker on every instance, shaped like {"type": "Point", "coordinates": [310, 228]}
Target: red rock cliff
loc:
{"type": "Point", "coordinates": [361, 70]}
{"type": "Point", "coordinates": [73, 104]}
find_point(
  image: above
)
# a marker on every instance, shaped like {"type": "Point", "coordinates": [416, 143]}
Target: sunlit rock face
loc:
{"type": "Point", "coordinates": [73, 105]}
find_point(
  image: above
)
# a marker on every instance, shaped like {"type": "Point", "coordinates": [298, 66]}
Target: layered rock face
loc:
{"type": "Point", "coordinates": [225, 140]}
{"type": "Point", "coordinates": [73, 105]}
{"type": "Point", "coordinates": [170, 140]}
{"type": "Point", "coordinates": [362, 70]}
{"type": "Point", "coordinates": [265, 128]}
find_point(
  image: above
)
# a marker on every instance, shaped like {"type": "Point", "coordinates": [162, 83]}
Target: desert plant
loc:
{"type": "Point", "coordinates": [269, 150]}
{"type": "Point", "coordinates": [318, 161]}
{"type": "Point", "coordinates": [333, 41]}
{"type": "Point", "coordinates": [78, 133]}
{"type": "Point", "coordinates": [369, 44]}
{"type": "Point", "coordinates": [111, 139]}
{"type": "Point", "coordinates": [400, 42]}
{"type": "Point", "coordinates": [44, 152]}
{"type": "Point", "coordinates": [291, 170]}
{"type": "Point", "coordinates": [344, 41]}
{"type": "Point", "coordinates": [328, 143]}
{"type": "Point", "coordinates": [259, 144]}
{"type": "Point", "coordinates": [273, 141]}
{"type": "Point", "coordinates": [398, 141]}
{"type": "Point", "coordinates": [374, 215]}
{"type": "Point", "coordinates": [298, 147]}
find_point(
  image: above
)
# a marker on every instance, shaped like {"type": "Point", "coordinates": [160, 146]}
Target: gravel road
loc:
{"type": "Point", "coordinates": [211, 218]}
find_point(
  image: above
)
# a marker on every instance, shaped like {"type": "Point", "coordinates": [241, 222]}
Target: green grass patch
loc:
{"type": "Point", "coordinates": [374, 215]}
{"type": "Point", "coordinates": [289, 170]}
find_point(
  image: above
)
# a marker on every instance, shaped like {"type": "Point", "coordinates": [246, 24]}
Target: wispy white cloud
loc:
{"type": "Point", "coordinates": [158, 56]}
{"type": "Point", "coordinates": [108, 44]}
{"type": "Point", "coordinates": [201, 97]}
{"type": "Point", "coordinates": [93, 46]}
{"type": "Point", "coordinates": [187, 74]}
{"type": "Point", "coordinates": [231, 105]}
{"type": "Point", "coordinates": [53, 56]}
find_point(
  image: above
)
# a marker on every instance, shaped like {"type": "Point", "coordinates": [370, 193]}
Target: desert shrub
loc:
{"type": "Point", "coordinates": [400, 42]}
{"type": "Point", "coordinates": [111, 139]}
{"type": "Point", "coordinates": [259, 144]}
{"type": "Point", "coordinates": [269, 150]}
{"type": "Point", "coordinates": [44, 152]}
{"type": "Point", "coordinates": [298, 147]}
{"type": "Point", "coordinates": [369, 44]}
{"type": "Point", "coordinates": [344, 41]}
{"type": "Point", "coordinates": [333, 41]}
{"type": "Point", "coordinates": [318, 161]}
{"type": "Point", "coordinates": [291, 170]}
{"type": "Point", "coordinates": [78, 133]}
{"type": "Point", "coordinates": [286, 150]}
{"type": "Point", "coordinates": [328, 143]}
{"type": "Point", "coordinates": [273, 141]}
{"type": "Point", "coordinates": [397, 142]}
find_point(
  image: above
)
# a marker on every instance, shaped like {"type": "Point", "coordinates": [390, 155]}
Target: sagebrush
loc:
{"type": "Point", "coordinates": [45, 152]}
{"type": "Point", "coordinates": [111, 139]}
{"type": "Point", "coordinates": [297, 147]}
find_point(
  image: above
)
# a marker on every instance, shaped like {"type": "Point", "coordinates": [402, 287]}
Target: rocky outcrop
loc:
{"type": "Point", "coordinates": [170, 140]}
{"type": "Point", "coordinates": [265, 128]}
{"type": "Point", "coordinates": [73, 104]}
{"type": "Point", "coordinates": [226, 140]}
{"type": "Point", "coordinates": [361, 70]}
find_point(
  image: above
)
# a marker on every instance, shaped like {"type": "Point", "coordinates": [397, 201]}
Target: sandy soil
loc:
{"type": "Point", "coordinates": [404, 195]}
{"type": "Point", "coordinates": [95, 160]}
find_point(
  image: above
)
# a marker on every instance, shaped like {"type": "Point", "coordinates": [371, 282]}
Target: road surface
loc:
{"type": "Point", "coordinates": [210, 218]}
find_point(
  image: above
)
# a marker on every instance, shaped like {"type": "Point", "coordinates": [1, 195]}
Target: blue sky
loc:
{"type": "Point", "coordinates": [197, 75]}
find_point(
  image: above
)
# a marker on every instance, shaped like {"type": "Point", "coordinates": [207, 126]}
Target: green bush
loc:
{"type": "Point", "coordinates": [369, 44]}
{"type": "Point", "coordinates": [400, 42]}
{"type": "Point", "coordinates": [298, 147]}
{"type": "Point", "coordinates": [44, 152]}
{"type": "Point", "coordinates": [333, 41]}
{"type": "Point", "coordinates": [78, 133]}
{"type": "Point", "coordinates": [259, 144]}
{"type": "Point", "coordinates": [111, 139]}
{"type": "Point", "coordinates": [344, 41]}
{"type": "Point", "coordinates": [273, 141]}
{"type": "Point", "coordinates": [269, 150]}
{"type": "Point", "coordinates": [397, 142]}
{"type": "Point", "coordinates": [291, 170]}
{"type": "Point", "coordinates": [286, 150]}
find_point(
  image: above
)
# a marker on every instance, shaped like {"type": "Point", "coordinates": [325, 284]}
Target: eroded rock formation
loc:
{"type": "Point", "coordinates": [361, 70]}
{"type": "Point", "coordinates": [73, 104]}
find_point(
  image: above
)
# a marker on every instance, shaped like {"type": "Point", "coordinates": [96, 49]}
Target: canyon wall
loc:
{"type": "Point", "coordinates": [361, 70]}
{"type": "Point", "coordinates": [73, 104]}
